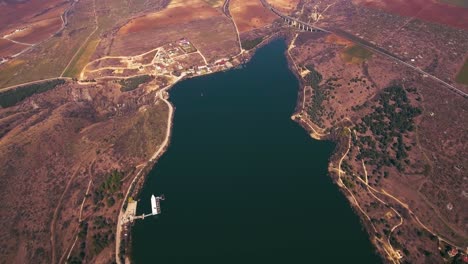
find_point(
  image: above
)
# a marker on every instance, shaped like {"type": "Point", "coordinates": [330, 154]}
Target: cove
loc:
{"type": "Point", "coordinates": [243, 182]}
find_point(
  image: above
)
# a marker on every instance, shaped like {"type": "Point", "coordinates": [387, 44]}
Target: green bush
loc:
{"type": "Point", "coordinates": [251, 43]}
{"type": "Point", "coordinates": [133, 82]}
{"type": "Point", "coordinates": [14, 96]}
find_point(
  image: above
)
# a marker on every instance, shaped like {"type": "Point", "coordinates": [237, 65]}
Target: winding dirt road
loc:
{"type": "Point", "coordinates": [161, 93]}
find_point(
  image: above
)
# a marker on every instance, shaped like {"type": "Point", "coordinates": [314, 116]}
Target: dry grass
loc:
{"type": "Point", "coordinates": [82, 58]}
{"type": "Point", "coordinates": [206, 27]}
{"type": "Point", "coordinates": [462, 76]}
{"type": "Point", "coordinates": [50, 58]}
{"type": "Point", "coordinates": [9, 70]}
{"type": "Point", "coordinates": [355, 54]}
{"type": "Point", "coordinates": [249, 15]}
{"type": "Point", "coordinates": [38, 31]}
{"type": "Point", "coordinates": [433, 11]}
{"type": "Point", "coordinates": [18, 15]}
{"type": "Point", "coordinates": [285, 5]}
{"type": "Point", "coordinates": [176, 13]}
{"type": "Point", "coordinates": [461, 3]}
{"type": "Point", "coordinates": [332, 38]}
{"type": "Point", "coordinates": [8, 48]}
{"type": "Point", "coordinates": [215, 3]}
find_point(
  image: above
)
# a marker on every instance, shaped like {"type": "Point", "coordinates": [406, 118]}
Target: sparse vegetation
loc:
{"type": "Point", "coordinates": [14, 96]}
{"type": "Point", "coordinates": [133, 83]}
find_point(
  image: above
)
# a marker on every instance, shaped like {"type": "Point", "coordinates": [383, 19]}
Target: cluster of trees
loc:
{"type": "Point", "coordinates": [78, 259]}
{"type": "Point", "coordinates": [316, 110]}
{"type": "Point", "coordinates": [14, 96]}
{"type": "Point", "coordinates": [133, 82]}
{"type": "Point", "coordinates": [251, 43]}
{"type": "Point", "coordinates": [102, 240]}
{"type": "Point", "coordinates": [391, 119]}
{"type": "Point", "coordinates": [108, 188]}
{"type": "Point", "coordinates": [101, 222]}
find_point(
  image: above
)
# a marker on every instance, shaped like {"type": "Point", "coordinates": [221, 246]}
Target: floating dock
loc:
{"type": "Point", "coordinates": [130, 213]}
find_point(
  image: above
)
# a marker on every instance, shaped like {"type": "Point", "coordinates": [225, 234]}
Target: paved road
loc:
{"type": "Point", "coordinates": [370, 46]}
{"type": "Point", "coordinates": [278, 13]}
{"type": "Point", "coordinates": [388, 54]}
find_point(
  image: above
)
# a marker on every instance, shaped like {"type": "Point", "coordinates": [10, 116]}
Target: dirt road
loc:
{"type": "Point", "coordinates": [158, 153]}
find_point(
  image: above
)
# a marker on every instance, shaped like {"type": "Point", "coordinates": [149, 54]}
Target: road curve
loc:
{"type": "Point", "coordinates": [161, 149]}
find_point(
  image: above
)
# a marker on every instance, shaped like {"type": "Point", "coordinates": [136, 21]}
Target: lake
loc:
{"type": "Point", "coordinates": [243, 182]}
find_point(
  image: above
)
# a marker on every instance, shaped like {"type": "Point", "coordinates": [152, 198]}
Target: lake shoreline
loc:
{"type": "Point", "coordinates": [298, 109]}
{"type": "Point", "coordinates": [320, 134]}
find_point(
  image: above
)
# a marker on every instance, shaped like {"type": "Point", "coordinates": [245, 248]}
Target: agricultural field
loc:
{"type": "Point", "coordinates": [461, 3]}
{"type": "Point", "coordinates": [174, 14]}
{"type": "Point", "coordinates": [207, 28]}
{"type": "Point", "coordinates": [355, 54]}
{"type": "Point", "coordinates": [22, 14]}
{"type": "Point", "coordinates": [215, 3]}
{"type": "Point", "coordinates": [286, 6]}
{"type": "Point", "coordinates": [452, 15]}
{"type": "Point", "coordinates": [48, 59]}
{"type": "Point", "coordinates": [462, 75]}
{"type": "Point", "coordinates": [35, 32]}
{"type": "Point", "coordinates": [250, 15]}
{"type": "Point", "coordinates": [74, 46]}
{"type": "Point", "coordinates": [9, 48]}
{"type": "Point", "coordinates": [81, 59]}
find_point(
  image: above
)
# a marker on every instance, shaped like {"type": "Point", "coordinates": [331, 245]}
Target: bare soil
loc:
{"type": "Point", "coordinates": [429, 188]}
{"type": "Point", "coordinates": [54, 143]}
{"type": "Point", "coordinates": [451, 15]}
{"type": "Point", "coordinates": [286, 6]}
{"type": "Point", "coordinates": [8, 48]}
{"type": "Point", "coordinates": [250, 15]}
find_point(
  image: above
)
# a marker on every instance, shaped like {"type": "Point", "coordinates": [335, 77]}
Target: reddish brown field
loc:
{"type": "Point", "coordinates": [425, 10]}
{"type": "Point", "coordinates": [8, 48]}
{"type": "Point", "coordinates": [18, 14]}
{"type": "Point", "coordinates": [174, 14]}
{"type": "Point", "coordinates": [209, 30]}
{"type": "Point", "coordinates": [284, 5]}
{"type": "Point", "coordinates": [37, 20]}
{"type": "Point", "coordinates": [334, 39]}
{"type": "Point", "coordinates": [250, 15]}
{"type": "Point", "coordinates": [38, 31]}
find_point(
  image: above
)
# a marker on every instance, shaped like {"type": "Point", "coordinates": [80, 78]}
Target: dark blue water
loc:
{"type": "Point", "coordinates": [243, 182]}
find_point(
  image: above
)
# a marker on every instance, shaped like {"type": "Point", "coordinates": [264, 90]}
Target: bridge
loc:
{"type": "Point", "coordinates": [363, 43]}
{"type": "Point", "coordinates": [293, 21]}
